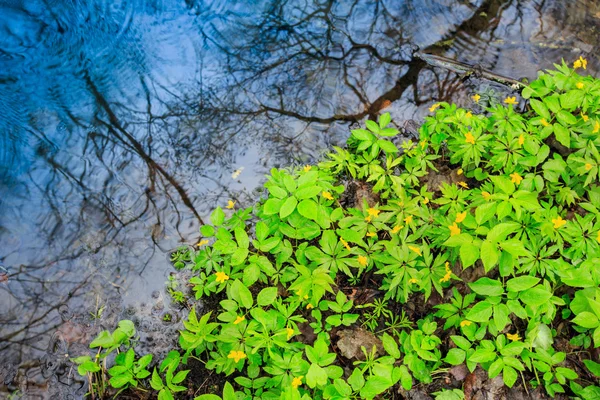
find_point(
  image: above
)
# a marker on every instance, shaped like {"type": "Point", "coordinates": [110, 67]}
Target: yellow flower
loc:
{"type": "Point", "coordinates": [423, 143]}
{"type": "Point", "coordinates": [397, 228]}
{"type": "Point", "coordinates": [476, 98]}
{"type": "Point", "coordinates": [371, 234]}
{"type": "Point", "coordinates": [307, 168]}
{"type": "Point", "coordinates": [460, 217]}
{"type": "Point", "coordinates": [309, 306]}
{"type": "Point", "coordinates": [434, 107]}
{"type": "Point", "coordinates": [448, 274]}
{"type": "Point", "coordinates": [585, 117]}
{"type": "Point", "coordinates": [202, 242]}
{"type": "Point", "coordinates": [596, 127]}
{"type": "Point", "coordinates": [544, 122]}
{"type": "Point", "coordinates": [579, 85]}
{"type": "Point", "coordinates": [513, 336]}
{"type": "Point", "coordinates": [345, 244]}
{"type": "Point", "coordinates": [236, 355]}
{"type": "Point", "coordinates": [408, 219]}
{"type": "Point", "coordinates": [580, 62]}
{"type": "Point", "coordinates": [588, 166]}
{"type": "Point", "coordinates": [413, 280]}
{"type": "Point", "coordinates": [368, 218]}
{"type": "Point", "coordinates": [454, 229]}
{"type": "Point", "coordinates": [558, 222]}
{"type": "Point", "coordinates": [516, 178]}
{"type": "Point", "coordinates": [362, 260]}
{"type": "Point", "coordinates": [469, 138]}
{"type": "Point", "coordinates": [486, 195]}
{"type": "Point", "coordinates": [465, 323]}
{"type": "Point", "coordinates": [373, 212]}
{"type": "Point", "coordinates": [221, 277]}
{"type": "Point", "coordinates": [521, 140]}
{"type": "Point", "coordinates": [598, 238]}
{"type": "Point", "coordinates": [426, 200]}
{"type": "Point", "coordinates": [327, 195]}
{"type": "Point", "coordinates": [230, 204]}
{"type": "Point", "coordinates": [239, 319]}
{"type": "Point", "coordinates": [511, 100]}
{"type": "Point", "coordinates": [415, 249]}
{"type": "Point", "coordinates": [290, 333]}
{"type": "Point", "coordinates": [459, 171]}
{"type": "Point", "coordinates": [468, 115]}
{"type": "Point", "coordinates": [446, 277]}
{"type": "Point", "coordinates": [463, 184]}
{"type": "Point", "coordinates": [297, 381]}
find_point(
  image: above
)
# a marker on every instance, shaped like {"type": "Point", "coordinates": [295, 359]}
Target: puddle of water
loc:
{"type": "Point", "coordinates": [123, 123]}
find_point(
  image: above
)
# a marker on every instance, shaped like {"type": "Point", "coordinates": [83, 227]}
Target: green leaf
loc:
{"type": "Point", "coordinates": [288, 207]}
{"type": "Point", "coordinates": [207, 397]}
{"type": "Point", "coordinates": [514, 247]}
{"type": "Point", "coordinates": [277, 191]}
{"type": "Point", "coordinates": [489, 255]}
{"type": "Point", "coordinates": [482, 355]}
{"type": "Point", "coordinates": [241, 237]}
{"type": "Point", "coordinates": [487, 287]}
{"type": "Point", "coordinates": [390, 345]}
{"type": "Point", "coordinates": [509, 376]}
{"type": "Point", "coordinates": [594, 367]}
{"type": "Point", "coordinates": [480, 312]}
{"type": "Point", "coordinates": [272, 206]}
{"type": "Point", "coordinates": [562, 135]}
{"type": "Point", "coordinates": [572, 99]}
{"type": "Point", "coordinates": [372, 126]}
{"type": "Point", "coordinates": [119, 381]}
{"type": "Point", "coordinates": [500, 231]}
{"type": "Point", "coordinates": [239, 256]}
{"type": "Point", "coordinates": [384, 120]}
{"type": "Point", "coordinates": [405, 377]}
{"type": "Point", "coordinates": [387, 146]}
{"type": "Point", "coordinates": [540, 108]}
{"type": "Point", "coordinates": [207, 230]}
{"type": "Point", "coordinates": [536, 296]}
{"type": "Point", "coordinates": [228, 392]}
{"type": "Point", "coordinates": [362, 135]}
{"type": "Point", "coordinates": [374, 386]}
{"type": "Point", "coordinates": [241, 294]}
{"type": "Point", "coordinates": [217, 217]}
{"type": "Point", "coordinates": [307, 192]}
{"type": "Point", "coordinates": [356, 380]}
{"type": "Point", "coordinates": [316, 376]}
{"type": "Point", "coordinates": [455, 356]}
{"type": "Point", "coordinates": [180, 376]}
{"type": "Point", "coordinates": [104, 339]}
{"type": "Point", "coordinates": [521, 283]}
{"type": "Point", "coordinates": [308, 209]}
{"type": "Point", "coordinates": [266, 296]}
{"type": "Point", "coordinates": [566, 118]}
{"type": "Point", "coordinates": [156, 382]}
{"type": "Point", "coordinates": [469, 253]}
{"type": "Point", "coordinates": [587, 320]}
{"type": "Point", "coordinates": [503, 183]}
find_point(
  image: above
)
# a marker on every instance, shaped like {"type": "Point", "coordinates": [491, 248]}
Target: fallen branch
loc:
{"type": "Point", "coordinates": [467, 70]}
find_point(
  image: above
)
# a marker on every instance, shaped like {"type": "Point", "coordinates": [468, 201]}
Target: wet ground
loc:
{"type": "Point", "coordinates": [125, 122]}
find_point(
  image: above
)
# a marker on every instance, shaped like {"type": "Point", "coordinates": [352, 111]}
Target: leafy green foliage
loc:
{"type": "Point", "coordinates": [516, 219]}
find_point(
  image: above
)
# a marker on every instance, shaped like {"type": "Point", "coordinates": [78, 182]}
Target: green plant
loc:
{"type": "Point", "coordinates": [485, 234]}
{"type": "Point", "coordinates": [170, 385]}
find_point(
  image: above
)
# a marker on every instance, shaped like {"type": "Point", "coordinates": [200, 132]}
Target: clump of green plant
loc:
{"type": "Point", "coordinates": [520, 207]}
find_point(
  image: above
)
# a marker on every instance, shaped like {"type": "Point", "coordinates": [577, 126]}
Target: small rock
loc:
{"type": "Point", "coordinates": [351, 340]}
